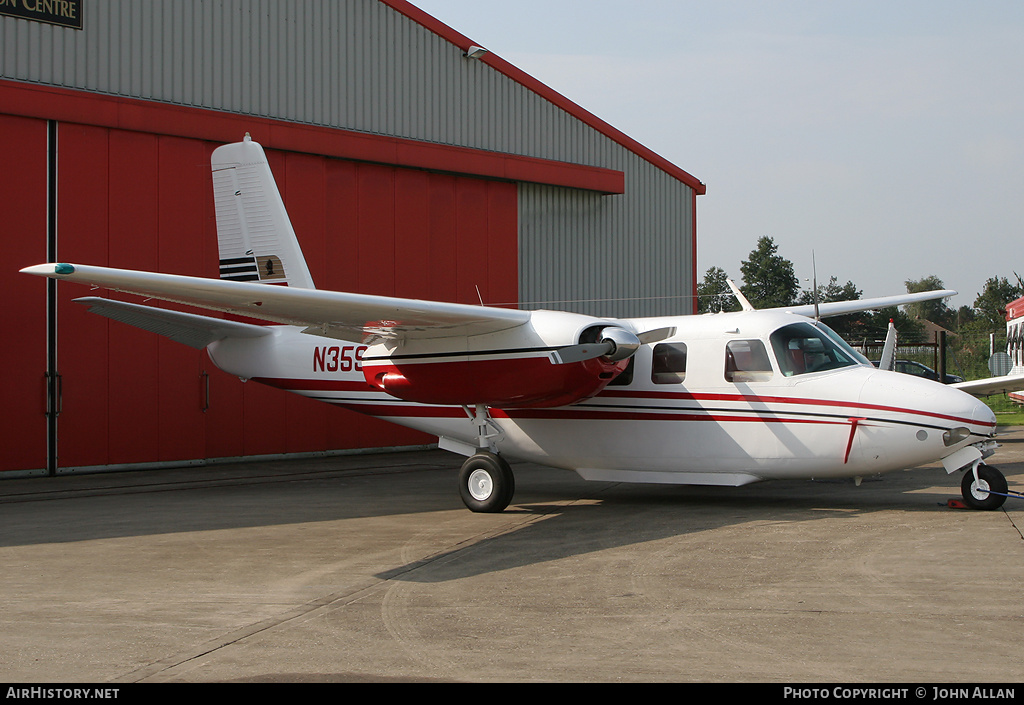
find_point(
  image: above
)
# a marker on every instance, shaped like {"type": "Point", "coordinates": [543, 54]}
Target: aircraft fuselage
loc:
{"type": "Point", "coordinates": [723, 401]}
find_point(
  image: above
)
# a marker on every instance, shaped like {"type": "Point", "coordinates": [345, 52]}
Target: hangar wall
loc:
{"type": "Point", "coordinates": [131, 199]}
{"type": "Point", "coordinates": [407, 169]}
{"type": "Point", "coordinates": [386, 67]}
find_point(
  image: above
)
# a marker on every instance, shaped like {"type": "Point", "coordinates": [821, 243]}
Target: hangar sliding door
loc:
{"type": "Point", "coordinates": [127, 396]}
{"type": "Point", "coordinates": [119, 396]}
{"type": "Point", "coordinates": [23, 203]}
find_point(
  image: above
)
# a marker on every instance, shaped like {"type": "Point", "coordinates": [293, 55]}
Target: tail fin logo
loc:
{"type": "Point", "coordinates": [270, 267]}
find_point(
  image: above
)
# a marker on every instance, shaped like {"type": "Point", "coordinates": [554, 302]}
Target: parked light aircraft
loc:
{"type": "Point", "coordinates": [717, 399]}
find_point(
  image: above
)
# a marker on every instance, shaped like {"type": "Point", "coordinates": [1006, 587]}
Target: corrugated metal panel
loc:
{"type": "Point", "coordinates": [361, 65]}
{"type": "Point", "coordinates": [619, 256]}
{"type": "Point", "coordinates": [354, 64]}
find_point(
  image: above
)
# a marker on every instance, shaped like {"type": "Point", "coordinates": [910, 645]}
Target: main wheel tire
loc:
{"type": "Point", "coordinates": [982, 493]}
{"type": "Point", "coordinates": [486, 483]}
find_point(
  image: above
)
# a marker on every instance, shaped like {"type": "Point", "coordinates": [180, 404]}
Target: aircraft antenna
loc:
{"type": "Point", "coordinates": [814, 283]}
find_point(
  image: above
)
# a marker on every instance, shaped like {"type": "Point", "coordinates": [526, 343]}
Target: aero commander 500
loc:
{"type": "Point", "coordinates": [718, 399]}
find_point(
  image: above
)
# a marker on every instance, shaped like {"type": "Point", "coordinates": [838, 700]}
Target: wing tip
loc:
{"type": "Point", "coordinates": [49, 269]}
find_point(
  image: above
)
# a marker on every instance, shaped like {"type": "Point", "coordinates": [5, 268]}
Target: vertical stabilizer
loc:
{"type": "Point", "coordinates": [255, 235]}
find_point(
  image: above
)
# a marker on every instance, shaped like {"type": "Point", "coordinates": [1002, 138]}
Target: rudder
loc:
{"type": "Point", "coordinates": [254, 233]}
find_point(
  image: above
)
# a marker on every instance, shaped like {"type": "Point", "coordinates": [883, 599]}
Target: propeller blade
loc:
{"type": "Point", "coordinates": [579, 353]}
{"type": "Point", "coordinates": [656, 335]}
{"type": "Point", "coordinates": [619, 345]}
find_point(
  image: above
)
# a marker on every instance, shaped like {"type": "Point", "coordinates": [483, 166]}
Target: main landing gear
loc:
{"type": "Point", "coordinates": [983, 487]}
{"type": "Point", "coordinates": [486, 482]}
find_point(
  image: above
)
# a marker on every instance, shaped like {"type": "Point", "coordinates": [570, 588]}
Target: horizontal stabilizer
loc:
{"type": "Point", "coordinates": [187, 328]}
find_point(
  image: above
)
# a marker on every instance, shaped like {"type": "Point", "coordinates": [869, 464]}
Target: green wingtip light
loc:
{"type": "Point", "coordinates": [64, 269]}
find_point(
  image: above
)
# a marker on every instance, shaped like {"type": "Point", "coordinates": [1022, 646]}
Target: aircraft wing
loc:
{"type": "Point", "coordinates": [839, 308]}
{"type": "Point", "coordinates": [991, 385]}
{"type": "Point", "coordinates": [352, 317]}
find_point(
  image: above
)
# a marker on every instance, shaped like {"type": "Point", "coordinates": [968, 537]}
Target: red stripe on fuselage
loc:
{"type": "Point", "coordinates": [753, 398]}
{"type": "Point", "coordinates": [379, 407]}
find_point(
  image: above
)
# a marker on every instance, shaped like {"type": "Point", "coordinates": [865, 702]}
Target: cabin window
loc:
{"type": "Point", "coordinates": [801, 348]}
{"type": "Point", "coordinates": [747, 361]}
{"type": "Point", "coordinates": [668, 364]}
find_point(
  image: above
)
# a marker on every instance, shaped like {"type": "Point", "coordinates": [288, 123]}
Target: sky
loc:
{"type": "Point", "coordinates": [886, 138]}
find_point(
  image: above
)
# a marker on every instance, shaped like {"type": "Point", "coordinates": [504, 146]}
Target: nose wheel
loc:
{"type": "Point", "coordinates": [983, 489]}
{"type": "Point", "coordinates": [486, 483]}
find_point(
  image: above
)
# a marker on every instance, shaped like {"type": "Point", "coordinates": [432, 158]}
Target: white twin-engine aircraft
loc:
{"type": "Point", "coordinates": [719, 399]}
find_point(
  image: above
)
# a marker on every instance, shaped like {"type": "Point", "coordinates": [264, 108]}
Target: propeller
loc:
{"type": "Point", "coordinates": [614, 344]}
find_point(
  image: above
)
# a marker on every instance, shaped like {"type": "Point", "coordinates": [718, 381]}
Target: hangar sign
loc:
{"type": "Point", "coordinates": [66, 13]}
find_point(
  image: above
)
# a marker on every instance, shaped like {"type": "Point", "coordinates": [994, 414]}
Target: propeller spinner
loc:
{"type": "Point", "coordinates": [613, 343]}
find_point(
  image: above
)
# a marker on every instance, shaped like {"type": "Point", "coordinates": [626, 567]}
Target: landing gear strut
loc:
{"type": "Point", "coordinates": [486, 483]}
{"type": "Point", "coordinates": [983, 487]}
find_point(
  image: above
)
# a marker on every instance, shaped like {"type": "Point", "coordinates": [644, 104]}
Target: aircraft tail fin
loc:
{"type": "Point", "coordinates": [255, 235]}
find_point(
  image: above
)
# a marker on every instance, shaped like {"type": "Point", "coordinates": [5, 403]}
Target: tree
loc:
{"type": "Point", "coordinates": [964, 316]}
{"type": "Point", "coordinates": [990, 306]}
{"type": "Point", "coordinates": [876, 324]}
{"type": "Point", "coordinates": [714, 294]}
{"type": "Point", "coordinates": [850, 326]}
{"type": "Point", "coordinates": [935, 310]}
{"type": "Point", "coordinates": [768, 279]}
{"type": "Point", "coordinates": [832, 292]}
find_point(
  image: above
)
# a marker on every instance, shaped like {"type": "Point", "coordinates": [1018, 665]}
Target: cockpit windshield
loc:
{"type": "Point", "coordinates": [801, 348]}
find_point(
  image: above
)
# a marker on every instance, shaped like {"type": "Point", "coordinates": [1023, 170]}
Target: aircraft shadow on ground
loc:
{"type": "Point", "coordinates": [610, 516]}
{"type": "Point", "coordinates": [554, 515]}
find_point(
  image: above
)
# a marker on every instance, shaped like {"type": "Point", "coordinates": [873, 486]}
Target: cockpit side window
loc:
{"type": "Point", "coordinates": [747, 361]}
{"type": "Point", "coordinates": [668, 364]}
{"type": "Point", "coordinates": [801, 348]}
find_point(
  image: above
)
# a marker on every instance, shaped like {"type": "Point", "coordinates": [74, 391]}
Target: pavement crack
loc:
{"type": "Point", "coordinates": [165, 669]}
{"type": "Point", "coordinates": [1016, 528]}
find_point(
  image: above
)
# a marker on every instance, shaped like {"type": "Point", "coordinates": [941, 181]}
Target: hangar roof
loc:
{"type": "Point", "coordinates": [518, 75]}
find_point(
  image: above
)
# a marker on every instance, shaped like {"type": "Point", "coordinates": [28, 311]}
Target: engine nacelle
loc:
{"type": "Point", "coordinates": [508, 383]}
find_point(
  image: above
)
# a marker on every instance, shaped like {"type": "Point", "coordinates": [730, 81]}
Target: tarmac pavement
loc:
{"type": "Point", "coordinates": [368, 568]}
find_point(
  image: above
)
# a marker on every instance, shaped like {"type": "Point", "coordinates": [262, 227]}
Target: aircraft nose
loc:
{"type": "Point", "coordinates": [981, 419]}
{"type": "Point", "coordinates": [983, 415]}
{"type": "Point", "coordinates": [929, 401]}
{"type": "Point", "coordinates": [966, 409]}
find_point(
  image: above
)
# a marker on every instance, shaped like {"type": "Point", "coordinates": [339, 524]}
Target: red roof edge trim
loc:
{"type": "Point", "coordinates": [519, 76]}
{"type": "Point", "coordinates": [83, 107]}
{"type": "Point", "coordinates": [1015, 309]}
